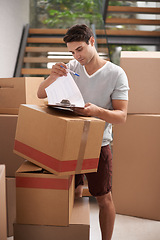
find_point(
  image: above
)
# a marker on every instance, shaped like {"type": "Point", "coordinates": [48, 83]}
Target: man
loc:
{"type": "Point", "coordinates": [104, 87]}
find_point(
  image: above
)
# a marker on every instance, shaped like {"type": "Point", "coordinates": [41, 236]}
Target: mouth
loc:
{"type": "Point", "coordinates": [81, 60]}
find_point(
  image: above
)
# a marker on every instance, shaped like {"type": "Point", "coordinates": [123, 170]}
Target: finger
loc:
{"type": "Point", "coordinates": [87, 105]}
{"type": "Point", "coordinates": [57, 69]}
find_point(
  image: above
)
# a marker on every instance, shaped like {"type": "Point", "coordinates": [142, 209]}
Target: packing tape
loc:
{"type": "Point", "coordinates": [82, 146]}
{"type": "Point", "coordinates": [43, 183]}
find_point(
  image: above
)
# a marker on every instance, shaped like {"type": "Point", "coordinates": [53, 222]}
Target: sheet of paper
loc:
{"type": "Point", "coordinates": [64, 88]}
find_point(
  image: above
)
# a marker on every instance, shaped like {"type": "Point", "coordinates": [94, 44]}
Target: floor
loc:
{"type": "Point", "coordinates": [126, 227]}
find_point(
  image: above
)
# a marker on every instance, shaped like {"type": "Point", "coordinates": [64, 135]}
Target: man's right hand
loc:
{"type": "Point", "coordinates": [56, 72]}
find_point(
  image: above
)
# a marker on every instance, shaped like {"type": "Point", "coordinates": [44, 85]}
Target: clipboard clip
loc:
{"type": "Point", "coordinates": [65, 103]}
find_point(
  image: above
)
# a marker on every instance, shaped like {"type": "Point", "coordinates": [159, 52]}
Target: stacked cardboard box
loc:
{"type": "Point", "coordinates": [3, 223]}
{"type": "Point", "coordinates": [16, 91]}
{"type": "Point", "coordinates": [57, 145]}
{"type": "Point", "coordinates": [78, 228]}
{"type": "Point", "coordinates": [62, 143]}
{"type": "Point", "coordinates": [13, 92]}
{"type": "Point", "coordinates": [136, 149]}
{"type": "Point", "coordinates": [43, 198]}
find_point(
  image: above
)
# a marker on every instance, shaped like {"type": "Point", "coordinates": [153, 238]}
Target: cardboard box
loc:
{"type": "Point", "coordinates": [43, 198]}
{"type": "Point", "coordinates": [136, 166]}
{"type": "Point", "coordinates": [78, 229]}
{"type": "Point", "coordinates": [11, 204]}
{"type": "Point", "coordinates": [62, 143]}
{"type": "Point", "coordinates": [143, 71]}
{"type": "Point", "coordinates": [7, 135]}
{"type": "Point", "coordinates": [16, 91]}
{"type": "Point", "coordinates": [3, 222]}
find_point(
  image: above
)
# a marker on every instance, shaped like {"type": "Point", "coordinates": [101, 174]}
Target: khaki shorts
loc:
{"type": "Point", "coordinates": [99, 183]}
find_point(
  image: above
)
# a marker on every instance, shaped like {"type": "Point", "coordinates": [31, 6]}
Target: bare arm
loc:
{"type": "Point", "coordinates": [56, 71]}
{"type": "Point", "coordinates": [118, 115]}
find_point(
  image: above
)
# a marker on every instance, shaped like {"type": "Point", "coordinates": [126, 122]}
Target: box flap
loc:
{"type": "Point", "coordinates": [29, 167]}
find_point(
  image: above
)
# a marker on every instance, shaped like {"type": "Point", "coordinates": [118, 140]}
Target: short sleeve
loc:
{"type": "Point", "coordinates": [121, 88]}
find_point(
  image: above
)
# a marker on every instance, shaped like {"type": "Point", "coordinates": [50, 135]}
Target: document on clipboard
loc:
{"type": "Point", "coordinates": [64, 93]}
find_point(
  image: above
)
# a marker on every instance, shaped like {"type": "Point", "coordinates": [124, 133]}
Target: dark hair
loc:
{"type": "Point", "coordinates": [78, 33]}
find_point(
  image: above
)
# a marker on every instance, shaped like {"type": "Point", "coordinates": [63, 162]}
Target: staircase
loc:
{"type": "Point", "coordinates": [124, 24]}
{"type": "Point", "coordinates": [41, 48]}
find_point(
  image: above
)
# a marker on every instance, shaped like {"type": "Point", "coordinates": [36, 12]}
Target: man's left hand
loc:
{"type": "Point", "coordinates": [88, 110]}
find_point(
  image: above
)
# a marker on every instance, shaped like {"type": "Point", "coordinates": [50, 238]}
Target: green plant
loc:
{"type": "Point", "coordinates": [63, 13]}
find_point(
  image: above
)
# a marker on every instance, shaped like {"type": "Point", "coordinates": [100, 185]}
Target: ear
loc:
{"type": "Point", "coordinates": [92, 41]}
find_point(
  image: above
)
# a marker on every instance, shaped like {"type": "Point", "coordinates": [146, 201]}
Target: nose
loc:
{"type": "Point", "coordinates": [77, 55]}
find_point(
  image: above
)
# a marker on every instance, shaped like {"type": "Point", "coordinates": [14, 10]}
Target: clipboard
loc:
{"type": "Point", "coordinates": [64, 104]}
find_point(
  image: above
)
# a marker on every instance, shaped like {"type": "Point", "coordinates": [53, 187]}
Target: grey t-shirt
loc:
{"type": "Point", "coordinates": [109, 82]}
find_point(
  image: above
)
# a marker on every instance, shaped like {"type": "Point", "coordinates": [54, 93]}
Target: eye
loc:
{"type": "Point", "coordinates": [79, 49]}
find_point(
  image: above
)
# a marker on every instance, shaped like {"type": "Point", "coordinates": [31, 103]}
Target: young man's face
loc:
{"type": "Point", "coordinates": [82, 51]}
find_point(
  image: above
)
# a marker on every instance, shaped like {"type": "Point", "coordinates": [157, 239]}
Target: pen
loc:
{"type": "Point", "coordinates": [69, 70]}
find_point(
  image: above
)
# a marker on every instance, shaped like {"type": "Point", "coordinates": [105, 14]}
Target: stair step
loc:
{"type": "Point", "coordinates": [131, 21]}
{"type": "Point", "coordinates": [55, 31]}
{"type": "Point", "coordinates": [56, 49]}
{"type": "Point", "coordinates": [133, 33]}
{"type": "Point", "coordinates": [56, 40]}
{"type": "Point", "coordinates": [124, 9]}
{"type": "Point", "coordinates": [35, 71]}
{"type": "Point", "coordinates": [141, 0]}
{"type": "Point", "coordinates": [46, 49]}
{"type": "Point", "coordinates": [50, 59]}
{"type": "Point", "coordinates": [45, 40]}
{"type": "Point", "coordinates": [46, 59]}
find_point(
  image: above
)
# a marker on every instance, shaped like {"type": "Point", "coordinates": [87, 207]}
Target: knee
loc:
{"type": "Point", "coordinates": [78, 192]}
{"type": "Point", "coordinates": [105, 201]}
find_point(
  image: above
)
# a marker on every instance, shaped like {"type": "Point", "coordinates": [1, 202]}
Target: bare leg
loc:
{"type": "Point", "coordinates": [106, 215]}
{"type": "Point", "coordinates": [78, 191]}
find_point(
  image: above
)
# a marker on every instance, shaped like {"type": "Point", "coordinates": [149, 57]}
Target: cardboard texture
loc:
{"type": "Point", "coordinates": [11, 204]}
{"type": "Point", "coordinates": [60, 142]}
{"type": "Point", "coordinates": [43, 198]}
{"type": "Point", "coordinates": [16, 91]}
{"type": "Point", "coordinates": [136, 166]}
{"type": "Point", "coordinates": [78, 229]}
{"type": "Point", "coordinates": [7, 135]}
{"type": "Point", "coordinates": [143, 72]}
{"type": "Point", "coordinates": [3, 221]}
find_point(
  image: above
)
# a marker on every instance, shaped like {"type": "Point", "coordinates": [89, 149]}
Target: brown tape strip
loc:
{"type": "Point", "coordinates": [82, 146]}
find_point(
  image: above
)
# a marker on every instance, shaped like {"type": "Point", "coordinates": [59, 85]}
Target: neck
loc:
{"type": "Point", "coordinates": [95, 64]}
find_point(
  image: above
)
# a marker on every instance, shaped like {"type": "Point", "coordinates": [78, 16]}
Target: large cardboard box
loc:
{"type": "Point", "coordinates": [136, 166]}
{"type": "Point", "coordinates": [16, 91]}
{"type": "Point", "coordinates": [7, 135]}
{"type": "Point", "coordinates": [43, 198]}
{"type": "Point", "coordinates": [59, 142]}
{"type": "Point", "coordinates": [3, 222]}
{"type": "Point", "coordinates": [78, 228]}
{"type": "Point", "coordinates": [11, 204]}
{"type": "Point", "coordinates": [143, 71]}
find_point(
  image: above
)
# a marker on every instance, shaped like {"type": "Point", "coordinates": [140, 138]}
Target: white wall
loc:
{"type": "Point", "coordinates": [14, 14]}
